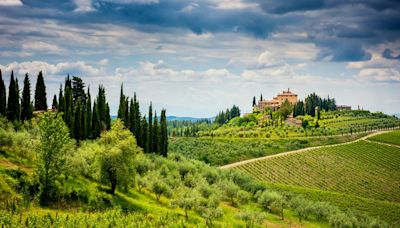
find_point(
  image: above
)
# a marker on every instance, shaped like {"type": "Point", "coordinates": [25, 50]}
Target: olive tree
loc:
{"type": "Point", "coordinates": [117, 156]}
{"type": "Point", "coordinates": [54, 136]}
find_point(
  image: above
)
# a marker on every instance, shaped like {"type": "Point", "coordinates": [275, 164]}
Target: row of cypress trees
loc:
{"type": "Point", "coordinates": [83, 121]}
{"type": "Point", "coordinates": [17, 108]}
{"type": "Point", "coordinates": [151, 133]}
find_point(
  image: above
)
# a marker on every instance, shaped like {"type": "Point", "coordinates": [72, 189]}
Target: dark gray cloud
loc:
{"type": "Point", "coordinates": [341, 28]}
{"type": "Point", "coordinates": [388, 54]}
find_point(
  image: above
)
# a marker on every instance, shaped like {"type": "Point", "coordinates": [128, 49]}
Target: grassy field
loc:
{"type": "Point", "coordinates": [358, 175]}
{"type": "Point", "coordinates": [221, 151]}
{"type": "Point", "coordinates": [392, 137]}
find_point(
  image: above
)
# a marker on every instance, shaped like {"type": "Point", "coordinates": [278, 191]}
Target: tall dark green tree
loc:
{"type": "Point", "coordinates": [254, 101]}
{"type": "Point", "coordinates": [144, 134]}
{"type": "Point", "coordinates": [121, 107]}
{"type": "Point", "coordinates": [88, 116]}
{"type": "Point", "coordinates": [150, 129]}
{"type": "Point", "coordinates": [40, 93]}
{"type": "Point", "coordinates": [78, 90]}
{"type": "Point", "coordinates": [26, 106]}
{"type": "Point", "coordinates": [163, 134]}
{"type": "Point", "coordinates": [54, 104]}
{"type": "Point", "coordinates": [96, 125]}
{"type": "Point", "coordinates": [61, 101]}
{"type": "Point", "coordinates": [137, 120]}
{"type": "Point", "coordinates": [12, 103]}
{"type": "Point", "coordinates": [126, 113]}
{"type": "Point", "coordinates": [108, 117]}
{"type": "Point", "coordinates": [17, 92]}
{"type": "Point", "coordinates": [156, 135]}
{"type": "Point", "coordinates": [3, 99]}
{"type": "Point", "coordinates": [77, 123]}
{"type": "Point", "coordinates": [68, 115]}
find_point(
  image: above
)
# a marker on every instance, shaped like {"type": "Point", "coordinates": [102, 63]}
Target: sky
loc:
{"type": "Point", "coordinates": [195, 58]}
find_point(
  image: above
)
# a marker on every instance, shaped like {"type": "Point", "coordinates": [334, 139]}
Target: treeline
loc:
{"type": "Point", "coordinates": [151, 133]}
{"type": "Point", "coordinates": [83, 120]}
{"type": "Point", "coordinates": [187, 128]}
{"type": "Point", "coordinates": [17, 108]}
{"type": "Point", "coordinates": [224, 117]}
{"type": "Point", "coordinates": [310, 104]}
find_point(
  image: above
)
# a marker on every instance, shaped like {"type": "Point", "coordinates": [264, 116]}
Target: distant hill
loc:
{"type": "Point", "coordinates": [186, 118]}
{"type": "Point", "coordinates": [397, 115]}
{"type": "Point", "coordinates": [179, 118]}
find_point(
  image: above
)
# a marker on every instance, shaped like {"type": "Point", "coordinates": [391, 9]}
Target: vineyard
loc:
{"type": "Point", "coordinates": [392, 137]}
{"type": "Point", "coordinates": [221, 151]}
{"type": "Point", "coordinates": [330, 123]}
{"type": "Point", "coordinates": [361, 169]}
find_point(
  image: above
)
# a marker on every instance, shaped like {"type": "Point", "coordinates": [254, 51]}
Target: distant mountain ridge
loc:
{"type": "Point", "coordinates": [187, 118]}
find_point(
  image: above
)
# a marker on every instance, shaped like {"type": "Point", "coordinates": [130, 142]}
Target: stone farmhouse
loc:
{"type": "Point", "coordinates": [276, 102]}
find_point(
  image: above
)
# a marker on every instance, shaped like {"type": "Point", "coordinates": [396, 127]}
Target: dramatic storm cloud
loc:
{"type": "Point", "coordinates": [197, 57]}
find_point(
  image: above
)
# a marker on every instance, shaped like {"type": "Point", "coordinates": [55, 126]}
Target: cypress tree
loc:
{"type": "Point", "coordinates": [163, 134]}
{"type": "Point", "coordinates": [77, 131]}
{"type": "Point", "coordinates": [40, 94]}
{"type": "Point", "coordinates": [254, 101]}
{"type": "Point", "coordinates": [3, 99]}
{"type": "Point", "coordinates": [26, 110]}
{"type": "Point", "coordinates": [137, 130]}
{"type": "Point", "coordinates": [18, 109]}
{"type": "Point", "coordinates": [78, 92]}
{"type": "Point", "coordinates": [61, 101]}
{"type": "Point", "coordinates": [150, 129]}
{"type": "Point", "coordinates": [68, 104]}
{"type": "Point", "coordinates": [121, 108]}
{"type": "Point", "coordinates": [54, 104]}
{"type": "Point", "coordinates": [132, 118]}
{"type": "Point", "coordinates": [96, 128]}
{"type": "Point", "coordinates": [88, 115]}
{"type": "Point", "coordinates": [108, 117]}
{"type": "Point", "coordinates": [126, 113]}
{"type": "Point", "coordinates": [12, 100]}
{"type": "Point", "coordinates": [144, 134]}
{"type": "Point", "coordinates": [156, 136]}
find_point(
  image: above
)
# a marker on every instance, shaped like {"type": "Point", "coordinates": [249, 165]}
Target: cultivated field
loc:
{"type": "Point", "coordinates": [363, 168]}
{"type": "Point", "coordinates": [392, 137]}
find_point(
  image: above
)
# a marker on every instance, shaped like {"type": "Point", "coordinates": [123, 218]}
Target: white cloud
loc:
{"type": "Point", "coordinates": [190, 7]}
{"type": "Point", "coordinates": [83, 6]}
{"type": "Point", "coordinates": [80, 68]}
{"type": "Point", "coordinates": [103, 62]}
{"type": "Point", "coordinates": [388, 75]}
{"type": "Point", "coordinates": [234, 4]}
{"type": "Point", "coordinates": [10, 3]}
{"type": "Point", "coordinates": [377, 61]}
{"type": "Point", "coordinates": [40, 46]}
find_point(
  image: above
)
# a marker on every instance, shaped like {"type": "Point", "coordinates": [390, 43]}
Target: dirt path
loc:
{"type": "Point", "coordinates": [383, 143]}
{"type": "Point", "coordinates": [301, 150]}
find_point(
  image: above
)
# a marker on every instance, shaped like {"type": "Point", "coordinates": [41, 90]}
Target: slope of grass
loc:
{"type": "Point", "coordinates": [221, 151]}
{"type": "Point", "coordinates": [392, 137]}
{"type": "Point", "coordinates": [363, 168]}
{"type": "Point", "coordinates": [387, 211]}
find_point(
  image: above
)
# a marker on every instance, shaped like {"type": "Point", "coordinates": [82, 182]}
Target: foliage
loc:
{"type": "Point", "coordinates": [51, 156]}
{"type": "Point", "coordinates": [3, 101]}
{"type": "Point", "coordinates": [224, 117]}
{"type": "Point", "coordinates": [40, 93]}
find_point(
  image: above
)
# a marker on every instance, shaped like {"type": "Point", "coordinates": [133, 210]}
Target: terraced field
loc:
{"type": "Point", "coordinates": [390, 137]}
{"type": "Point", "coordinates": [362, 168]}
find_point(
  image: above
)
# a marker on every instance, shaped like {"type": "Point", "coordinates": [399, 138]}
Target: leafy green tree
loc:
{"type": "Point", "coordinates": [250, 218]}
{"type": "Point", "coordinates": [286, 109]}
{"type": "Point", "coordinates": [26, 106]}
{"type": "Point", "coordinates": [3, 100]}
{"type": "Point", "coordinates": [40, 93]}
{"type": "Point", "coordinates": [160, 188]}
{"type": "Point", "coordinates": [187, 200]}
{"type": "Point", "coordinates": [163, 134]}
{"type": "Point", "coordinates": [117, 156]}
{"type": "Point", "coordinates": [230, 191]}
{"type": "Point", "coordinates": [54, 137]}
{"type": "Point", "coordinates": [13, 102]}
